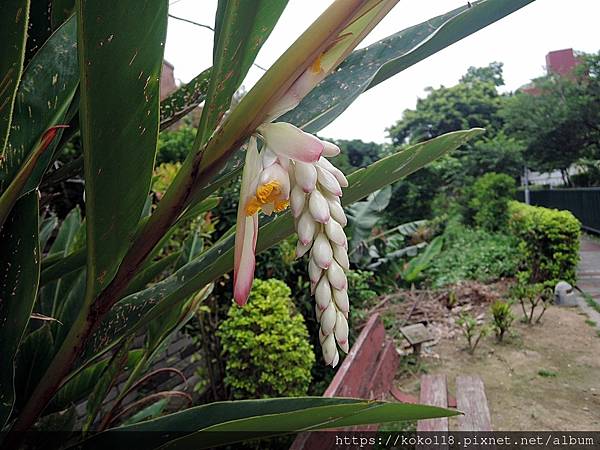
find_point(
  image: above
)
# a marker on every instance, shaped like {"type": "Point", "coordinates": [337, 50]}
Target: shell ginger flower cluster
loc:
{"type": "Point", "coordinates": [291, 169]}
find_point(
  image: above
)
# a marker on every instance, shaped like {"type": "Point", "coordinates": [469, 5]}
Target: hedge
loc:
{"type": "Point", "coordinates": [549, 242]}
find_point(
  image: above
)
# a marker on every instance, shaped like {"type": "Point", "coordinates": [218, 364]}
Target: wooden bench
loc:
{"type": "Point", "coordinates": [368, 372]}
{"type": "Point", "coordinates": [470, 400]}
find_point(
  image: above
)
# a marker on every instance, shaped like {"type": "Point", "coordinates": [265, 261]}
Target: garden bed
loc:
{"type": "Point", "coordinates": [544, 377]}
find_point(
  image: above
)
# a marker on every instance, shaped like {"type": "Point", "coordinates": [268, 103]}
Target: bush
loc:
{"type": "Point", "coordinates": [549, 242]}
{"type": "Point", "coordinates": [472, 331]}
{"type": "Point", "coordinates": [487, 201]}
{"type": "Point", "coordinates": [173, 146]}
{"type": "Point", "coordinates": [502, 318]}
{"type": "Point", "coordinates": [472, 254]}
{"type": "Point", "coordinates": [266, 345]}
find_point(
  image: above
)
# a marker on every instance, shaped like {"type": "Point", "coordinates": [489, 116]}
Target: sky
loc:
{"type": "Point", "coordinates": [520, 40]}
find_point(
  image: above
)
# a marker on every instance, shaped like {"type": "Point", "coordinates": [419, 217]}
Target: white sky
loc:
{"type": "Point", "coordinates": [520, 41]}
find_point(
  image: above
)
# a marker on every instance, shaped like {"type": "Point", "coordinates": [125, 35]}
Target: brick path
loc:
{"type": "Point", "coordinates": [588, 276]}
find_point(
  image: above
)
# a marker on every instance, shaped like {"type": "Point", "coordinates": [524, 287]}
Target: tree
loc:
{"type": "Point", "coordinates": [559, 123]}
{"type": "Point", "coordinates": [474, 102]}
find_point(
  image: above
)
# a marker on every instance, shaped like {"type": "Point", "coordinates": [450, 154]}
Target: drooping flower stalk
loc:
{"type": "Point", "coordinates": [291, 168]}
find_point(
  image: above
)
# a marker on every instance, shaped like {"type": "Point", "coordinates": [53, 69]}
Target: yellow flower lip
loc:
{"type": "Point", "coordinates": [268, 193]}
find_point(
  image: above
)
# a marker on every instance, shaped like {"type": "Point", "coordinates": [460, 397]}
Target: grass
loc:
{"type": "Point", "coordinates": [591, 323]}
{"type": "Point", "coordinates": [591, 302]}
{"type": "Point", "coordinates": [547, 373]}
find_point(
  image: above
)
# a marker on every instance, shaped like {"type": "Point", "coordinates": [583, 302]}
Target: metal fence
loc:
{"type": "Point", "coordinates": [584, 203]}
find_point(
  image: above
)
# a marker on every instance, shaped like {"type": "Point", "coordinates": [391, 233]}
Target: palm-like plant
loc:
{"type": "Point", "coordinates": [93, 67]}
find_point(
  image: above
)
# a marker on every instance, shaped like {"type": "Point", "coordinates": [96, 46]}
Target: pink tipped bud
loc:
{"type": "Point", "coordinates": [314, 271]}
{"type": "Point", "coordinates": [323, 294]}
{"type": "Point", "coordinates": [328, 319]}
{"type": "Point", "coordinates": [336, 276]}
{"type": "Point", "coordinates": [341, 330]}
{"type": "Point", "coordinates": [297, 200]}
{"type": "Point", "coordinates": [336, 359]}
{"type": "Point", "coordinates": [318, 207]}
{"type": "Point", "coordinates": [329, 349]}
{"type": "Point", "coordinates": [306, 176]}
{"type": "Point", "coordinates": [307, 227]}
{"type": "Point", "coordinates": [341, 300]}
{"type": "Point", "coordinates": [340, 253]}
{"type": "Point", "coordinates": [322, 252]}
{"type": "Point", "coordinates": [330, 149]}
{"type": "Point", "coordinates": [337, 173]}
{"type": "Point", "coordinates": [328, 181]}
{"type": "Point", "coordinates": [337, 212]}
{"type": "Point", "coordinates": [335, 232]}
{"type": "Point", "coordinates": [301, 249]}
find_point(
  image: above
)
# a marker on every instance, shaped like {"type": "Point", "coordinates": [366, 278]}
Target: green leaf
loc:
{"type": "Point", "coordinates": [362, 216]}
{"type": "Point", "coordinates": [81, 385]}
{"type": "Point", "coordinates": [137, 310]}
{"type": "Point", "coordinates": [367, 67]}
{"type": "Point", "coordinates": [119, 122]}
{"type": "Point", "coordinates": [43, 98]}
{"type": "Point", "coordinates": [184, 100]}
{"type": "Point", "coordinates": [106, 381]}
{"type": "Point", "coordinates": [13, 34]}
{"type": "Point", "coordinates": [47, 227]}
{"type": "Point", "coordinates": [150, 412]}
{"type": "Point", "coordinates": [411, 273]}
{"type": "Point", "coordinates": [241, 28]}
{"type": "Point", "coordinates": [247, 419]}
{"type": "Point", "coordinates": [150, 273]}
{"type": "Point", "coordinates": [19, 272]}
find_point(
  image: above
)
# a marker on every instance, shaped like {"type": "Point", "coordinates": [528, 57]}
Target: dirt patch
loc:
{"type": "Point", "coordinates": [544, 377]}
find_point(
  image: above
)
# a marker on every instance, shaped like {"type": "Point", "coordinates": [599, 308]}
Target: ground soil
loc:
{"type": "Point", "coordinates": [564, 346]}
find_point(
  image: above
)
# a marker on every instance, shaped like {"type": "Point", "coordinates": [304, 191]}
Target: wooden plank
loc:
{"type": "Point", "coordinates": [434, 392]}
{"type": "Point", "coordinates": [384, 372]}
{"type": "Point", "coordinates": [416, 334]}
{"type": "Point", "coordinates": [403, 397]}
{"type": "Point", "coordinates": [472, 402]}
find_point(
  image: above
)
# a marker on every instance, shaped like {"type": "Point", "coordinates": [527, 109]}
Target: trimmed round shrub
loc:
{"type": "Point", "coordinates": [266, 345]}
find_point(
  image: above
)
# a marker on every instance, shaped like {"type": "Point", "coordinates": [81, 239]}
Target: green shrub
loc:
{"type": "Point", "coordinates": [487, 201]}
{"type": "Point", "coordinates": [502, 318]}
{"type": "Point", "coordinates": [266, 345]}
{"type": "Point", "coordinates": [549, 242]}
{"type": "Point", "coordinates": [530, 296]}
{"type": "Point", "coordinates": [473, 254]}
{"type": "Point", "coordinates": [174, 145]}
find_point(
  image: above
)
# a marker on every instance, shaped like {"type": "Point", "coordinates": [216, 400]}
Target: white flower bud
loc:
{"type": "Point", "coordinates": [328, 181]}
{"type": "Point", "coordinates": [336, 359]}
{"type": "Point", "coordinates": [335, 232]}
{"type": "Point", "coordinates": [336, 276]}
{"type": "Point", "coordinates": [330, 149]}
{"type": "Point", "coordinates": [322, 252]}
{"type": "Point", "coordinates": [318, 313]}
{"type": "Point", "coordinates": [314, 271]}
{"type": "Point", "coordinates": [337, 173]}
{"type": "Point", "coordinates": [323, 294]}
{"type": "Point", "coordinates": [306, 176]}
{"type": "Point", "coordinates": [328, 319]}
{"type": "Point", "coordinates": [322, 337]}
{"type": "Point", "coordinates": [341, 299]}
{"type": "Point", "coordinates": [341, 330]}
{"type": "Point", "coordinates": [329, 350]}
{"type": "Point", "coordinates": [337, 212]}
{"type": "Point", "coordinates": [306, 228]}
{"type": "Point", "coordinates": [297, 200]}
{"type": "Point", "coordinates": [341, 255]}
{"type": "Point", "coordinates": [318, 207]}
{"type": "Point", "coordinates": [301, 249]}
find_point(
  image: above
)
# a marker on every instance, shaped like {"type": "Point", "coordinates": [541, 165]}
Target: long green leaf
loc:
{"type": "Point", "coordinates": [19, 277]}
{"type": "Point", "coordinates": [119, 121]}
{"type": "Point", "coordinates": [14, 17]}
{"type": "Point", "coordinates": [133, 313]}
{"type": "Point", "coordinates": [196, 427]}
{"type": "Point", "coordinates": [241, 28]}
{"type": "Point", "coordinates": [367, 67]}
{"type": "Point", "coordinates": [43, 98]}
{"type": "Point", "coordinates": [184, 100]}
